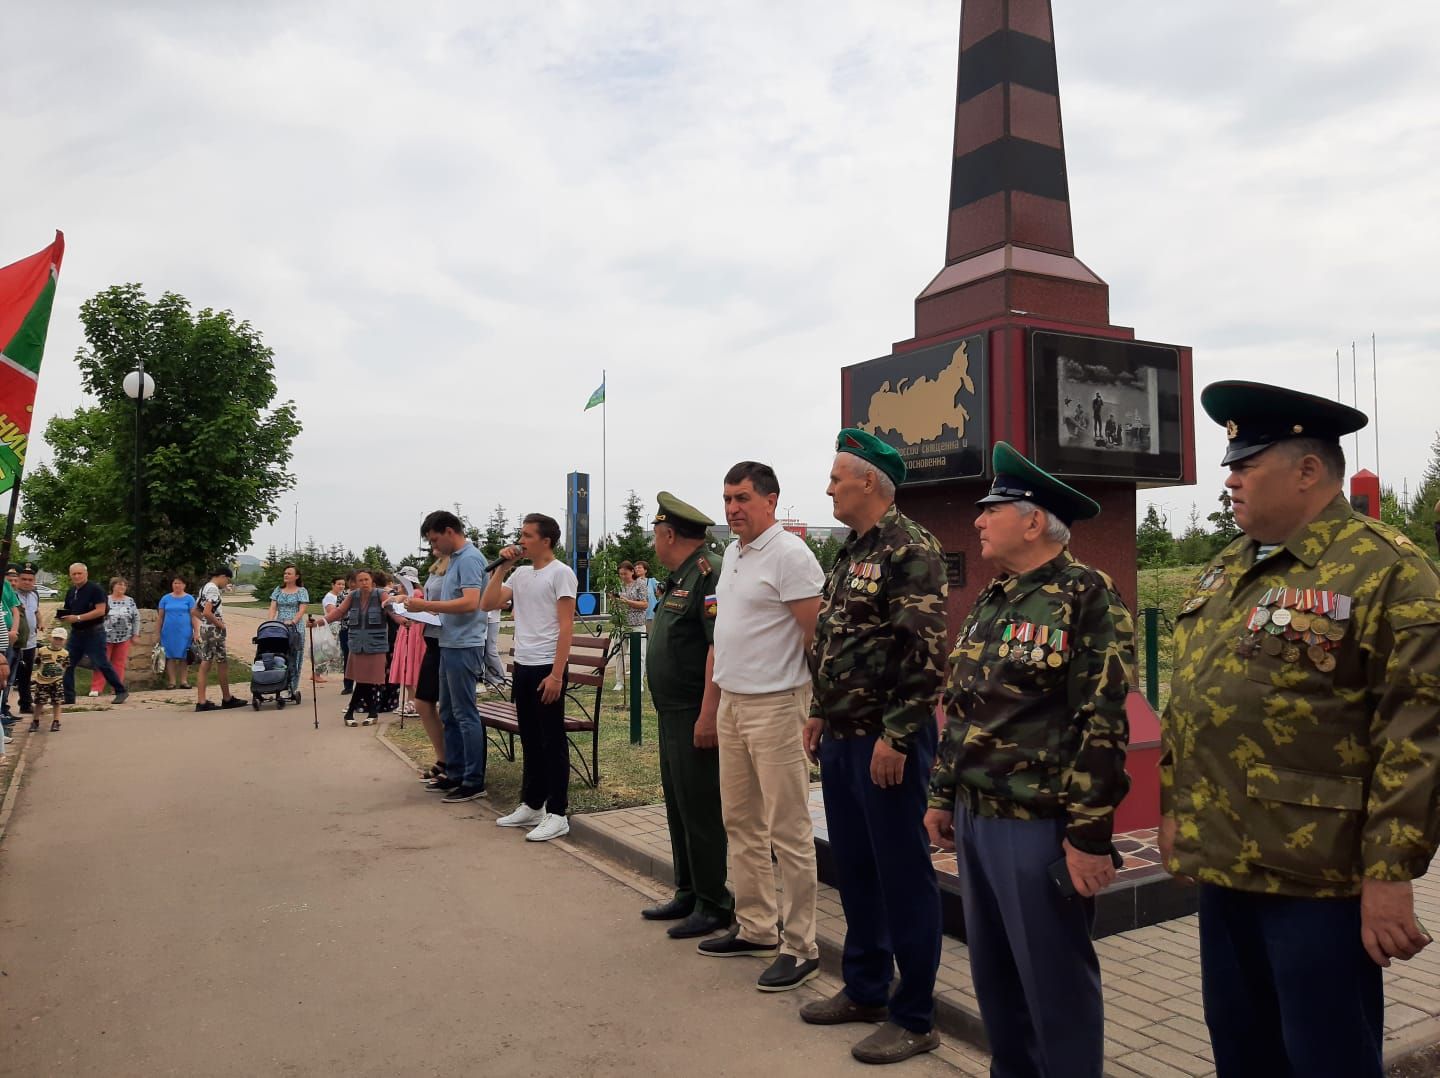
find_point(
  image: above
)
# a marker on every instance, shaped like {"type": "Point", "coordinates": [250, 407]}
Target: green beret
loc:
{"type": "Point", "coordinates": [1256, 416]}
{"type": "Point", "coordinates": [1016, 480]}
{"type": "Point", "coordinates": [873, 451]}
{"type": "Point", "coordinates": [673, 511]}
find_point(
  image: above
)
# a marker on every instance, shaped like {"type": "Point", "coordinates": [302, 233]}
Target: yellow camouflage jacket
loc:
{"type": "Point", "coordinates": [1302, 734]}
{"type": "Point", "coordinates": [1035, 702]}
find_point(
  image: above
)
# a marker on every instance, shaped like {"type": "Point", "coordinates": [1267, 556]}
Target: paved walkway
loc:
{"type": "Point", "coordinates": [239, 894]}
{"type": "Point", "coordinates": [1155, 1023]}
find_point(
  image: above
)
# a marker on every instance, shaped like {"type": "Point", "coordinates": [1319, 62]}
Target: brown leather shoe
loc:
{"type": "Point", "coordinates": [891, 1043]}
{"type": "Point", "coordinates": [839, 1009]}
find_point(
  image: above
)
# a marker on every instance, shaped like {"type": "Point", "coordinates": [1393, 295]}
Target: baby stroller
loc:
{"type": "Point", "coordinates": [270, 672]}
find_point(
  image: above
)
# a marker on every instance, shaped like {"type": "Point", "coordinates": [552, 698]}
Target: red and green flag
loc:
{"type": "Point", "coordinates": [27, 292]}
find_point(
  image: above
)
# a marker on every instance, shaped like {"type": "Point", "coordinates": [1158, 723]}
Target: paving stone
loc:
{"type": "Point", "coordinates": [1155, 1020]}
{"type": "Point", "coordinates": [1178, 1039]}
{"type": "Point", "coordinates": [1150, 1067]}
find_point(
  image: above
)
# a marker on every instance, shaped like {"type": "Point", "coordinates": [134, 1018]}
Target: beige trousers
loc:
{"type": "Point", "coordinates": [765, 799]}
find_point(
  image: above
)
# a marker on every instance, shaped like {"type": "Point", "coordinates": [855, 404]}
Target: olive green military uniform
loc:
{"type": "Point", "coordinates": [1033, 755]}
{"type": "Point", "coordinates": [680, 642]}
{"type": "Point", "coordinates": [1301, 754]}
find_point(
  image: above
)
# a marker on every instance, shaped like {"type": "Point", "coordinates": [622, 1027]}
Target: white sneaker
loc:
{"type": "Point", "coordinates": [94, 692]}
{"type": "Point", "coordinates": [524, 816]}
{"type": "Point", "coordinates": [550, 827]}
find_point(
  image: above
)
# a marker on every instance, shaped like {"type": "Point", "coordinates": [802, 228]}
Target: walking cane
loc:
{"type": "Point", "coordinates": [314, 704]}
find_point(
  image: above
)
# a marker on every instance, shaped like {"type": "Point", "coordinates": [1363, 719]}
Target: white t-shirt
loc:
{"type": "Point", "coordinates": [537, 623]}
{"type": "Point", "coordinates": [759, 646]}
{"type": "Point", "coordinates": [210, 593]}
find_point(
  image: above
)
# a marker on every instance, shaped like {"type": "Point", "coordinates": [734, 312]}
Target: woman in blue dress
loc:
{"type": "Point", "coordinates": [177, 631]}
{"type": "Point", "coordinates": [288, 603]}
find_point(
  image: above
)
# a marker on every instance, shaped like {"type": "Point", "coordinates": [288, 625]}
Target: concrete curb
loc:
{"type": "Point", "coordinates": [12, 792]}
{"type": "Point", "coordinates": [644, 874]}
{"type": "Point", "coordinates": [951, 1017]}
{"type": "Point", "coordinates": [1414, 1041]}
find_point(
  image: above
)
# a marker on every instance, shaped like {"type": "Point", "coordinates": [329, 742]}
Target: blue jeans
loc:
{"type": "Point", "coordinates": [460, 672]}
{"type": "Point", "coordinates": [90, 643]}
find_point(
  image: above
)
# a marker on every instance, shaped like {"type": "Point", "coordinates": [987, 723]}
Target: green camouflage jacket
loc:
{"type": "Point", "coordinates": [1035, 702]}
{"type": "Point", "coordinates": [879, 649]}
{"type": "Point", "coordinates": [1302, 735]}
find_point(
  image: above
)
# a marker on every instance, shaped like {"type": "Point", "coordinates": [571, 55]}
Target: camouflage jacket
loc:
{"type": "Point", "coordinates": [880, 640]}
{"type": "Point", "coordinates": [1035, 702]}
{"type": "Point", "coordinates": [1302, 735]}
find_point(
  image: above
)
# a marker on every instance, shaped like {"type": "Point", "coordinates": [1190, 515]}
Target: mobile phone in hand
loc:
{"type": "Point", "coordinates": [1060, 874]}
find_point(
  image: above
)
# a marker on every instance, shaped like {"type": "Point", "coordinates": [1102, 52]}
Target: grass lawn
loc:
{"type": "Point", "coordinates": [629, 774]}
{"type": "Point", "coordinates": [1165, 589]}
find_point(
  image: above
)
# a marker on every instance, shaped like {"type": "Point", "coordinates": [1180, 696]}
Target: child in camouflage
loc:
{"type": "Point", "coordinates": [46, 681]}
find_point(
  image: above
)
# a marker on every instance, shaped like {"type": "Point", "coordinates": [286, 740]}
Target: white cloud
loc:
{"type": "Point", "coordinates": [447, 220]}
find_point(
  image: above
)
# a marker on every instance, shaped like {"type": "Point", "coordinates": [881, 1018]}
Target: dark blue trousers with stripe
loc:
{"type": "Point", "coordinates": [887, 881]}
{"type": "Point", "coordinates": [1035, 971]}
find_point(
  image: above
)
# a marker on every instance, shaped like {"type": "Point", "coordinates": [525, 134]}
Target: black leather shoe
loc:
{"type": "Point", "coordinates": [674, 910]}
{"type": "Point", "coordinates": [700, 924]}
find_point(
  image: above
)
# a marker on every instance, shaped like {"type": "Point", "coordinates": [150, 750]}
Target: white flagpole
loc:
{"type": "Point", "coordinates": [604, 461]}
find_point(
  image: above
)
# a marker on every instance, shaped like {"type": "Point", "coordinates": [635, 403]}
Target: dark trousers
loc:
{"type": "Point", "coordinates": [349, 685]}
{"type": "Point", "coordinates": [545, 773]}
{"type": "Point", "coordinates": [364, 698]}
{"type": "Point", "coordinates": [1035, 971]}
{"type": "Point", "coordinates": [1288, 987]}
{"type": "Point", "coordinates": [91, 643]}
{"type": "Point", "coordinates": [690, 778]}
{"type": "Point", "coordinates": [20, 675]}
{"type": "Point", "coordinates": [887, 880]}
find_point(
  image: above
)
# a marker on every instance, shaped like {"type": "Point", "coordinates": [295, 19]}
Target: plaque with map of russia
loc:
{"type": "Point", "coordinates": [929, 404]}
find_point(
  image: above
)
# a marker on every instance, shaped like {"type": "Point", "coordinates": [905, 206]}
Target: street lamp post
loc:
{"type": "Point", "coordinates": [138, 386]}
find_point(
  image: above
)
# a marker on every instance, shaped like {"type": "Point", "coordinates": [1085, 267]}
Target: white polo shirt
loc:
{"type": "Point", "coordinates": [758, 643]}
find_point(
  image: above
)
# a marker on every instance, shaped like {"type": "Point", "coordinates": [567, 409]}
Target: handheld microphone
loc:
{"type": "Point", "coordinates": [499, 562]}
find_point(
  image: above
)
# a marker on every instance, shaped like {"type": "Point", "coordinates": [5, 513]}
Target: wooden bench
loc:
{"type": "Point", "coordinates": [589, 656]}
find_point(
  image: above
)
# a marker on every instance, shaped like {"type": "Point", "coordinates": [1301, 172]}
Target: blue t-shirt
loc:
{"type": "Point", "coordinates": [467, 570]}
{"type": "Point", "coordinates": [654, 597]}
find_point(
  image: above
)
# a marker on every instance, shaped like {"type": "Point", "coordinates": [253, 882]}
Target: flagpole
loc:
{"type": "Point", "coordinates": [604, 460]}
{"type": "Point", "coordinates": [10, 523]}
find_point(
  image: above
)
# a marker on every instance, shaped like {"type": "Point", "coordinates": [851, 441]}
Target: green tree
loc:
{"type": "Point", "coordinates": [1154, 545]}
{"type": "Point", "coordinates": [216, 448]}
{"type": "Point", "coordinates": [373, 557]}
{"type": "Point", "coordinates": [318, 566]}
{"type": "Point", "coordinates": [493, 539]}
{"type": "Point", "coordinates": [1224, 529]}
{"type": "Point", "coordinates": [825, 550]}
{"type": "Point", "coordinates": [634, 542]}
{"type": "Point", "coordinates": [1194, 547]}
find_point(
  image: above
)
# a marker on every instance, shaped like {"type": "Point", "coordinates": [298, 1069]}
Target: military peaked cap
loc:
{"type": "Point", "coordinates": [1256, 416]}
{"type": "Point", "coordinates": [1017, 480]}
{"type": "Point", "coordinates": [673, 511]}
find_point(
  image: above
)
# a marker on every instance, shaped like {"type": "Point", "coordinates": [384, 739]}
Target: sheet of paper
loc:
{"type": "Point", "coordinates": [423, 616]}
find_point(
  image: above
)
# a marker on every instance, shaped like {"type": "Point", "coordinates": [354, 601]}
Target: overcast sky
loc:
{"type": "Point", "coordinates": [447, 218]}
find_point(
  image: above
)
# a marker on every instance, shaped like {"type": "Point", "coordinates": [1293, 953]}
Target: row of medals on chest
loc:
{"type": "Point", "coordinates": [865, 576]}
{"type": "Point", "coordinates": [1049, 644]}
{"type": "Point", "coordinates": [1289, 622]}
